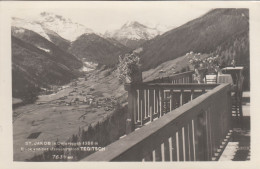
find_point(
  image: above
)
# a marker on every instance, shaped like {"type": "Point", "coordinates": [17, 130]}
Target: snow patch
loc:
{"type": "Point", "coordinates": [63, 26]}
{"type": "Point", "coordinates": [136, 31]}
{"type": "Point", "coordinates": [88, 66]}
{"type": "Point", "coordinates": [26, 24]}
{"type": "Point", "coordinates": [19, 30]}
{"type": "Point", "coordinates": [46, 50]}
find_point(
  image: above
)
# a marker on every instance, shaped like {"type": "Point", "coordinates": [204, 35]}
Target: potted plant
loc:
{"type": "Point", "coordinates": [204, 67]}
{"type": "Point", "coordinates": [129, 69]}
{"type": "Point", "coordinates": [198, 64]}
{"type": "Point", "coordinates": [212, 64]}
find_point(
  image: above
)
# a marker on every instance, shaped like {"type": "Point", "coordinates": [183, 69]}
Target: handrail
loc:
{"type": "Point", "coordinates": [169, 86]}
{"type": "Point", "coordinates": [192, 132]}
{"type": "Point", "coordinates": [148, 101]}
{"type": "Point", "coordinates": [185, 77]}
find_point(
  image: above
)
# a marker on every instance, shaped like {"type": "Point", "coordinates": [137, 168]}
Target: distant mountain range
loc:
{"type": "Point", "coordinates": [202, 35]}
{"type": "Point", "coordinates": [50, 50]}
{"type": "Point", "coordinates": [74, 38]}
{"type": "Point", "coordinates": [65, 28]}
{"type": "Point", "coordinates": [133, 34]}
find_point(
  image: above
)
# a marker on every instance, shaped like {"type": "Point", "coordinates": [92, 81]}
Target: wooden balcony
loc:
{"type": "Point", "coordinates": [173, 119]}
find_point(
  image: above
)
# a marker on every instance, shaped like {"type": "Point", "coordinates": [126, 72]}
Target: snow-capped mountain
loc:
{"type": "Point", "coordinates": [160, 27]}
{"type": "Point", "coordinates": [133, 33]}
{"type": "Point", "coordinates": [133, 30]}
{"type": "Point", "coordinates": [64, 27]}
{"type": "Point", "coordinates": [48, 21]}
{"type": "Point", "coordinates": [30, 25]}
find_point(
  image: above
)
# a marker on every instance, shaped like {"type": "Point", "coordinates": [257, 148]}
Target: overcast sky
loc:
{"type": "Point", "coordinates": [102, 16]}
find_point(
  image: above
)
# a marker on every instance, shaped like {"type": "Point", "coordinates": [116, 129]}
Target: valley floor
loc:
{"type": "Point", "coordinates": [59, 116]}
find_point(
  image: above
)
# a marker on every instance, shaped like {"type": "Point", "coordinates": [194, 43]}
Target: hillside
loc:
{"type": "Point", "coordinates": [37, 63]}
{"type": "Point", "coordinates": [94, 48]}
{"type": "Point", "coordinates": [57, 55]}
{"type": "Point", "coordinates": [202, 35]}
{"type": "Point", "coordinates": [57, 39]}
{"type": "Point", "coordinates": [237, 48]}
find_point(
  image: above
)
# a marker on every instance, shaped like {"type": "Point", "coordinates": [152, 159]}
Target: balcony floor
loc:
{"type": "Point", "coordinates": [238, 148]}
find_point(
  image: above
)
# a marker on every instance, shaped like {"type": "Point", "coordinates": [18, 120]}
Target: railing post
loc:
{"type": "Point", "coordinates": [130, 123]}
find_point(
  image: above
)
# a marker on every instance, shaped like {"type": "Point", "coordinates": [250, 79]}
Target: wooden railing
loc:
{"type": "Point", "coordinates": [148, 101]}
{"type": "Point", "coordinates": [185, 77]}
{"type": "Point", "coordinates": [192, 132]}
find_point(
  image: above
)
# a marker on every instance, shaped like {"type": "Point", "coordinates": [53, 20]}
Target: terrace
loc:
{"type": "Point", "coordinates": [175, 119]}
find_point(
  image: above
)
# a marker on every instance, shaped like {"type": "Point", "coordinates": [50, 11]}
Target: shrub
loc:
{"type": "Point", "coordinates": [128, 67]}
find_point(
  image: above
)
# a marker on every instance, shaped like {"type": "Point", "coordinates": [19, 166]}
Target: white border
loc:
{"type": "Point", "coordinates": [6, 146]}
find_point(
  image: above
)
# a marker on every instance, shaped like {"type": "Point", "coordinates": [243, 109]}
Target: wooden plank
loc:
{"type": "Point", "coordinates": [186, 142]}
{"type": "Point", "coordinates": [154, 157]}
{"type": "Point", "coordinates": [151, 113]}
{"type": "Point", "coordinates": [175, 86]}
{"type": "Point", "coordinates": [209, 124]}
{"type": "Point", "coordinates": [162, 106]}
{"type": "Point", "coordinates": [142, 107]}
{"type": "Point", "coordinates": [138, 106]}
{"type": "Point", "coordinates": [171, 100]}
{"type": "Point", "coordinates": [135, 108]}
{"type": "Point", "coordinates": [148, 157]}
{"type": "Point", "coordinates": [180, 145]}
{"type": "Point", "coordinates": [145, 103]}
{"type": "Point", "coordinates": [176, 99]}
{"type": "Point", "coordinates": [174, 147]}
{"type": "Point", "coordinates": [158, 153]}
{"type": "Point", "coordinates": [157, 100]}
{"type": "Point", "coordinates": [148, 102]}
{"type": "Point", "coordinates": [195, 138]}
{"type": "Point", "coordinates": [131, 110]}
{"type": "Point", "coordinates": [154, 102]}
{"type": "Point", "coordinates": [192, 94]}
{"type": "Point", "coordinates": [162, 152]}
{"type": "Point", "coordinates": [191, 140]}
{"type": "Point", "coordinates": [181, 97]}
{"type": "Point", "coordinates": [170, 148]}
{"type": "Point", "coordinates": [208, 146]}
{"type": "Point", "coordinates": [166, 150]}
{"type": "Point", "coordinates": [201, 140]}
{"type": "Point", "coordinates": [202, 137]}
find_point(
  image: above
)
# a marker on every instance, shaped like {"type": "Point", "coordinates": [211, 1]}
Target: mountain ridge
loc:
{"type": "Point", "coordinates": [63, 27]}
{"type": "Point", "coordinates": [132, 34]}
{"type": "Point", "coordinates": [201, 35]}
{"type": "Point", "coordinates": [94, 48]}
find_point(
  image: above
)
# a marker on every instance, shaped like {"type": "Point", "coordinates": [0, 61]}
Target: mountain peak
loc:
{"type": "Point", "coordinates": [134, 24]}
{"type": "Point", "coordinates": [45, 14]}
{"type": "Point", "coordinates": [133, 33]}
{"type": "Point", "coordinates": [62, 26]}
{"type": "Point", "coordinates": [50, 17]}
